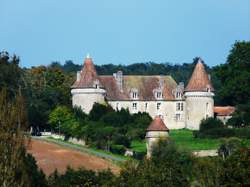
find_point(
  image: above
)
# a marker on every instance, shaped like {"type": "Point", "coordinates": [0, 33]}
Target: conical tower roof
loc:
{"type": "Point", "coordinates": [157, 125]}
{"type": "Point", "coordinates": [88, 74]}
{"type": "Point", "coordinates": [199, 80]}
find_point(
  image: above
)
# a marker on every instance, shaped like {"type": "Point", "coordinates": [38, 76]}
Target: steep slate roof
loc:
{"type": "Point", "coordinates": [88, 75]}
{"type": "Point", "coordinates": [199, 80]}
{"type": "Point", "coordinates": [144, 84]}
{"type": "Point", "coordinates": [157, 125]}
{"type": "Point", "coordinates": [224, 110]}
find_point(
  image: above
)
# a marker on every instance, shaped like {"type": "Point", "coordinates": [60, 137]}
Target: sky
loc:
{"type": "Point", "coordinates": [122, 31]}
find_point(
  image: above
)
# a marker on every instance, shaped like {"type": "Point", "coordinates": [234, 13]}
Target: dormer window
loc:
{"type": "Point", "coordinates": [96, 84]}
{"type": "Point", "coordinates": [178, 91]}
{"type": "Point", "coordinates": [134, 94]}
{"type": "Point", "coordinates": [158, 94]}
{"type": "Point", "coordinates": [178, 95]}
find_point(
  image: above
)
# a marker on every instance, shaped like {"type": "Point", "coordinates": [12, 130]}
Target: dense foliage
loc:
{"type": "Point", "coordinates": [168, 166]}
{"type": "Point", "coordinates": [103, 128]}
{"type": "Point", "coordinates": [214, 128]}
{"type": "Point", "coordinates": [17, 168]}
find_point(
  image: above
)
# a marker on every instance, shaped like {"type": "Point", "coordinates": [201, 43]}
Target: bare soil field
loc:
{"type": "Point", "coordinates": [50, 156]}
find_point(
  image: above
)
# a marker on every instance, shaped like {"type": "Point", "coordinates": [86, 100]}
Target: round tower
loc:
{"type": "Point", "coordinates": [199, 97]}
{"type": "Point", "coordinates": [157, 130]}
{"type": "Point", "coordinates": [87, 88]}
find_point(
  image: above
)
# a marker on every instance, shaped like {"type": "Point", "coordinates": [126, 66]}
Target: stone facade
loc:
{"type": "Point", "coordinates": [177, 106]}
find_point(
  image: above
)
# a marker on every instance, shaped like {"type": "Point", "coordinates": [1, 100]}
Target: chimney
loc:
{"type": "Point", "coordinates": [78, 75]}
{"type": "Point", "coordinates": [119, 80]}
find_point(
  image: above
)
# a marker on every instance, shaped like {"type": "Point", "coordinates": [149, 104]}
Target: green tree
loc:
{"type": "Point", "coordinates": [15, 164]}
{"type": "Point", "coordinates": [59, 117]}
{"type": "Point", "coordinates": [230, 146]}
{"type": "Point", "coordinates": [235, 75]}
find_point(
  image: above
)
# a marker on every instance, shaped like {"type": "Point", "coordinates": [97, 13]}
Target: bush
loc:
{"type": "Point", "coordinates": [223, 133]}
{"type": "Point", "coordinates": [121, 140]}
{"type": "Point", "coordinates": [210, 123]}
{"type": "Point", "coordinates": [118, 149]}
{"type": "Point", "coordinates": [139, 155]}
{"type": "Point", "coordinates": [230, 146]}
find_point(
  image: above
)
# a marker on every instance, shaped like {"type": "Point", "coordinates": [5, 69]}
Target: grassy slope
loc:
{"type": "Point", "coordinates": [184, 139]}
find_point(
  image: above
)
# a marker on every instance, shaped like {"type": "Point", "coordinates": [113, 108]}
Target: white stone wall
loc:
{"type": "Point", "coordinates": [152, 137]}
{"type": "Point", "coordinates": [224, 119]}
{"type": "Point", "coordinates": [85, 98]}
{"type": "Point", "coordinates": [199, 105]}
{"type": "Point", "coordinates": [167, 110]}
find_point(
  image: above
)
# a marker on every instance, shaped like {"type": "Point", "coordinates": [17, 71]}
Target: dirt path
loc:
{"type": "Point", "coordinates": [50, 156]}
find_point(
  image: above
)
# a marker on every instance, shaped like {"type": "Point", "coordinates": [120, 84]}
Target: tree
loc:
{"type": "Point", "coordinates": [210, 123]}
{"type": "Point", "coordinates": [62, 119]}
{"type": "Point", "coordinates": [236, 169]}
{"type": "Point", "coordinates": [235, 75]}
{"type": "Point", "coordinates": [16, 167]}
{"type": "Point", "coordinates": [230, 146]}
{"type": "Point", "coordinates": [168, 166]}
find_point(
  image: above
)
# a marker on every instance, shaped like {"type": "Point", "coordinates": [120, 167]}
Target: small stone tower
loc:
{"type": "Point", "coordinates": [87, 88]}
{"type": "Point", "coordinates": [199, 97]}
{"type": "Point", "coordinates": [157, 130]}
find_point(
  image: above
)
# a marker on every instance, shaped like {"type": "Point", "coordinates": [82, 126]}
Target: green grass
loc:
{"type": "Point", "coordinates": [139, 146]}
{"type": "Point", "coordinates": [183, 138]}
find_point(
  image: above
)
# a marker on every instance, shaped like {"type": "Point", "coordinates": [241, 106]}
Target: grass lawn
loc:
{"type": "Point", "coordinates": [184, 139]}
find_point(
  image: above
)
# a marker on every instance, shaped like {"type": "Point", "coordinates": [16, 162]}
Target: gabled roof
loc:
{"type": "Point", "coordinates": [224, 110]}
{"type": "Point", "coordinates": [199, 80]}
{"type": "Point", "coordinates": [144, 84]}
{"type": "Point", "coordinates": [87, 75]}
{"type": "Point", "coordinates": [157, 125]}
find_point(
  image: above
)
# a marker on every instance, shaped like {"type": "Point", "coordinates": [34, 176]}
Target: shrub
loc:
{"type": "Point", "coordinates": [210, 123]}
{"type": "Point", "coordinates": [121, 140]}
{"type": "Point", "coordinates": [230, 146]}
{"type": "Point", "coordinates": [118, 149]}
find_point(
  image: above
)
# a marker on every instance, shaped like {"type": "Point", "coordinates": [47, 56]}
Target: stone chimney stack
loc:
{"type": "Point", "coordinates": [119, 80]}
{"type": "Point", "coordinates": [78, 76]}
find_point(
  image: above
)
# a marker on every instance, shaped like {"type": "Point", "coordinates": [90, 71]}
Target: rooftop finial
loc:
{"type": "Point", "coordinates": [200, 60]}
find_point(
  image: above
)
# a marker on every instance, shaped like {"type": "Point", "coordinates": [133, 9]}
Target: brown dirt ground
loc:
{"type": "Point", "coordinates": [50, 156]}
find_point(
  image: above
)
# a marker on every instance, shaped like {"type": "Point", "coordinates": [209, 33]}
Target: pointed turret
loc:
{"type": "Point", "coordinates": [87, 89]}
{"type": "Point", "coordinates": [87, 76]}
{"type": "Point", "coordinates": [199, 80]}
{"type": "Point", "coordinates": [199, 97]}
{"type": "Point", "coordinates": [157, 125]}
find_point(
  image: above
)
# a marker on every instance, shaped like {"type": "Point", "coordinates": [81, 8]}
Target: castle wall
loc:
{"type": "Point", "coordinates": [85, 98]}
{"type": "Point", "coordinates": [199, 105]}
{"type": "Point", "coordinates": [166, 109]}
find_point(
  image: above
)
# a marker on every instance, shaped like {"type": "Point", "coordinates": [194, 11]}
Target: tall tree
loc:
{"type": "Point", "coordinates": [235, 75]}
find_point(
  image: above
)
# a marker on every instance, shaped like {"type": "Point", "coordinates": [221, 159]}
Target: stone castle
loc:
{"type": "Point", "coordinates": [159, 95]}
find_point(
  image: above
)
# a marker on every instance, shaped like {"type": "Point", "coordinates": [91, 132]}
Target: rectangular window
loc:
{"type": "Point", "coordinates": [158, 106]}
{"type": "Point", "coordinates": [177, 117]}
{"type": "Point", "coordinates": [146, 106]}
{"type": "Point", "coordinates": [134, 106]}
{"type": "Point", "coordinates": [181, 106]}
{"type": "Point", "coordinates": [178, 106]}
{"type": "Point", "coordinates": [134, 95]}
{"type": "Point", "coordinates": [117, 106]}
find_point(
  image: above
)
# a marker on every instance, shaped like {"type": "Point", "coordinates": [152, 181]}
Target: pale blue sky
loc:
{"type": "Point", "coordinates": [128, 31]}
